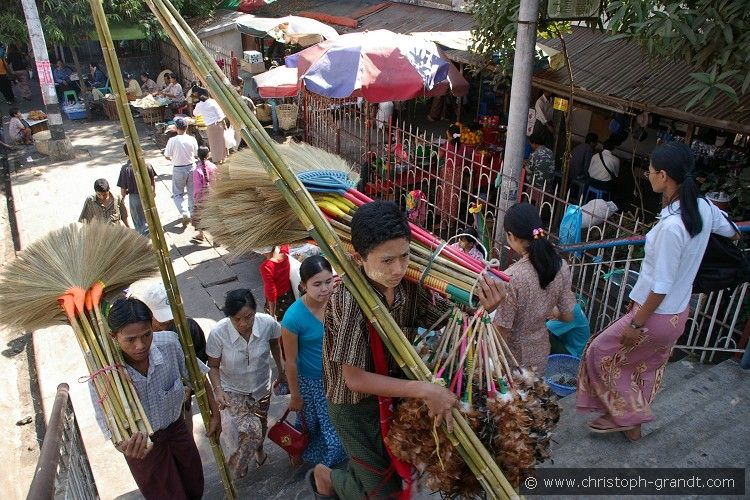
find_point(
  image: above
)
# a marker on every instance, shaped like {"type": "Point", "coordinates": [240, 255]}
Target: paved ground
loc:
{"type": "Point", "coordinates": [48, 196]}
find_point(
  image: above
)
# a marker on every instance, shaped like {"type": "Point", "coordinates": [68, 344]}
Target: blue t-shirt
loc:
{"type": "Point", "coordinates": [309, 331]}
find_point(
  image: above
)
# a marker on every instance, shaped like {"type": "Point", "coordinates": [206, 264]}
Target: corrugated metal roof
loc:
{"type": "Point", "coordinates": [618, 74]}
{"type": "Point", "coordinates": [404, 18]}
{"type": "Point", "coordinates": [281, 8]}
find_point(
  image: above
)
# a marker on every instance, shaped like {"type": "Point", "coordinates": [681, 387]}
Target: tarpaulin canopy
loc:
{"type": "Point", "coordinates": [290, 29]}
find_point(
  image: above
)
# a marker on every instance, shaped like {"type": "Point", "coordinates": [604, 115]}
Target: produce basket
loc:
{"type": "Point", "coordinates": [562, 373]}
{"type": "Point", "coordinates": [153, 115]}
{"type": "Point", "coordinates": [287, 114]}
{"type": "Point", "coordinates": [110, 109]}
{"type": "Point", "coordinates": [263, 112]}
{"type": "Point", "coordinates": [41, 141]}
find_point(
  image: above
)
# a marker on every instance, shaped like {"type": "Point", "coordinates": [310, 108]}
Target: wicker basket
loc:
{"type": "Point", "coordinates": [287, 114]}
{"type": "Point", "coordinates": [41, 141]}
{"type": "Point", "coordinates": [263, 113]}
{"type": "Point", "coordinates": [153, 115]}
{"type": "Point", "coordinates": [110, 109]}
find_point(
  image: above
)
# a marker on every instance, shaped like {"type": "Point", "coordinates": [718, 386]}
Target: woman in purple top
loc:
{"type": "Point", "coordinates": [203, 176]}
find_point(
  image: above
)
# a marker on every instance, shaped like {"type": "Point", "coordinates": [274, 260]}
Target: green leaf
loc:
{"type": "Point", "coordinates": [729, 91]}
{"type": "Point", "coordinates": [702, 77]}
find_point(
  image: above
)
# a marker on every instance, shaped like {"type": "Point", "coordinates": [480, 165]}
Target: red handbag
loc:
{"type": "Point", "coordinates": [294, 441]}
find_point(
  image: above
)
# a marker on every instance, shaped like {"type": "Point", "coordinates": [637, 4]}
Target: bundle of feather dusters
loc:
{"type": "Point", "coordinates": [515, 426]}
{"type": "Point", "coordinates": [415, 439]}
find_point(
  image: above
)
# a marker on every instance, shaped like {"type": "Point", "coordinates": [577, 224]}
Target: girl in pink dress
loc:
{"type": "Point", "coordinates": [203, 177]}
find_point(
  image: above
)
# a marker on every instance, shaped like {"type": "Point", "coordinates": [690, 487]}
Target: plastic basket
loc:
{"type": "Point", "coordinates": [75, 112]}
{"type": "Point", "coordinates": [153, 115]}
{"type": "Point", "coordinates": [287, 115]}
{"type": "Point", "coordinates": [263, 112]}
{"type": "Point", "coordinates": [565, 365]}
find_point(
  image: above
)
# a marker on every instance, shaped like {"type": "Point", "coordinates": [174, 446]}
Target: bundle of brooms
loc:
{"type": "Point", "coordinates": [245, 210]}
{"type": "Point", "coordinates": [68, 276]}
{"type": "Point", "coordinates": [315, 224]}
{"type": "Point", "coordinates": [510, 408]}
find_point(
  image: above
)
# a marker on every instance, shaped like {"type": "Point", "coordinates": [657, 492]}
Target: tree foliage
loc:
{"type": "Point", "coordinates": [713, 36]}
{"type": "Point", "coordinates": [69, 22]}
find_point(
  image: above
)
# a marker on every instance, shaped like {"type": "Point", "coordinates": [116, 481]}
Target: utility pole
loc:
{"type": "Point", "coordinates": [60, 147]}
{"type": "Point", "coordinates": [520, 90]}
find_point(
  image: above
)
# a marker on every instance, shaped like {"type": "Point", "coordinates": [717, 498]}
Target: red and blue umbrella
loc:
{"type": "Point", "coordinates": [376, 65]}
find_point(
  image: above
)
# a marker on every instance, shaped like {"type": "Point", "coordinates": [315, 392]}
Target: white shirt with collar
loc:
{"type": "Point", "coordinates": [597, 170]}
{"type": "Point", "coordinates": [181, 150]}
{"type": "Point", "coordinates": [672, 257]}
{"type": "Point", "coordinates": [245, 366]}
{"type": "Point", "coordinates": [209, 110]}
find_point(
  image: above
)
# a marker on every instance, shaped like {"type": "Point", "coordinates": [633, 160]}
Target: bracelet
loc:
{"type": "Point", "coordinates": [635, 325]}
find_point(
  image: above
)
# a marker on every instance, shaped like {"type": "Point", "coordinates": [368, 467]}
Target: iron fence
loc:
{"type": "Point", "coordinates": [459, 185]}
{"type": "Point", "coordinates": [63, 470]}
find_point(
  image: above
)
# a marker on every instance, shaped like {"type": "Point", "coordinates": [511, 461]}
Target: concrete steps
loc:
{"type": "Point", "coordinates": [701, 414]}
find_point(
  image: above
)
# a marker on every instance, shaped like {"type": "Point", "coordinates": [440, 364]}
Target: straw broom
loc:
{"type": "Point", "coordinates": [156, 232]}
{"type": "Point", "coordinates": [67, 276]}
{"type": "Point", "coordinates": [303, 205]}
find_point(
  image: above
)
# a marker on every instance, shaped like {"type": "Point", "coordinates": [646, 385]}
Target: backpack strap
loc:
{"type": "Point", "coordinates": [604, 164]}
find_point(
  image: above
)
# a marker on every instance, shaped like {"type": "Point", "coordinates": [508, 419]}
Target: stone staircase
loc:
{"type": "Point", "coordinates": [701, 421]}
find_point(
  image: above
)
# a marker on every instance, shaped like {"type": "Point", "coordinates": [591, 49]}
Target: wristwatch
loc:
{"type": "Point", "coordinates": [635, 325]}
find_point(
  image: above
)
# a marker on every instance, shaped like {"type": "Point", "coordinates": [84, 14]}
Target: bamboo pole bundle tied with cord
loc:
{"type": "Point", "coordinates": [314, 223]}
{"type": "Point", "coordinates": [156, 233]}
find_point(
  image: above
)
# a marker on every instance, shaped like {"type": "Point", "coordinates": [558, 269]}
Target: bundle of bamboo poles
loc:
{"type": "Point", "coordinates": [468, 445]}
{"type": "Point", "coordinates": [512, 409]}
{"type": "Point", "coordinates": [66, 276]}
{"type": "Point", "coordinates": [156, 232]}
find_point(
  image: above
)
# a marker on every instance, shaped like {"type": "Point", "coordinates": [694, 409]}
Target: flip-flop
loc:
{"type": "Point", "coordinates": [607, 430]}
{"type": "Point", "coordinates": [310, 476]}
{"type": "Point", "coordinates": [261, 462]}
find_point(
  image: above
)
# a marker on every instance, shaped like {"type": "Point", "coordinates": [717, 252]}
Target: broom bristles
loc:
{"type": "Point", "coordinates": [245, 210]}
{"type": "Point", "coordinates": [77, 255]}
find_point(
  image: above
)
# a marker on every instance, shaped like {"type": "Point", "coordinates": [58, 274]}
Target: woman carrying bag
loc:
{"type": "Point", "coordinates": [622, 366]}
{"type": "Point", "coordinates": [302, 335]}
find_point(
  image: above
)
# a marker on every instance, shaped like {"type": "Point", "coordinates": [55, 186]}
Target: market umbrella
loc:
{"type": "Point", "coordinates": [289, 29]}
{"type": "Point", "coordinates": [277, 82]}
{"type": "Point", "coordinates": [377, 65]}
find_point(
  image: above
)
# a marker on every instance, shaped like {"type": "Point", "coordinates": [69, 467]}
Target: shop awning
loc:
{"type": "Point", "coordinates": [123, 31]}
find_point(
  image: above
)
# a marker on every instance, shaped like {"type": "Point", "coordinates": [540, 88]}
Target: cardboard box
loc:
{"type": "Point", "coordinates": [252, 68]}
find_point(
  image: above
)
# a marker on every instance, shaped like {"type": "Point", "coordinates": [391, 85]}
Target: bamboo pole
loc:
{"type": "Point", "coordinates": [304, 207]}
{"type": "Point", "coordinates": [156, 233]}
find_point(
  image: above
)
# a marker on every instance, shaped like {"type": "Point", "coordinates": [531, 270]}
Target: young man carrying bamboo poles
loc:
{"type": "Point", "coordinates": [360, 376]}
{"type": "Point", "coordinates": [167, 463]}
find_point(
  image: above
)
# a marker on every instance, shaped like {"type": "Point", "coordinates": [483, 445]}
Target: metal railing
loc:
{"type": "Point", "coordinates": [63, 470]}
{"type": "Point", "coordinates": [396, 158]}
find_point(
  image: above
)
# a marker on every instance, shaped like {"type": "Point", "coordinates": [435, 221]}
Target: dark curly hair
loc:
{"type": "Point", "coordinates": [375, 223]}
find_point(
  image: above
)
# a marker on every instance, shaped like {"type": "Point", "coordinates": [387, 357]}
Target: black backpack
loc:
{"type": "Point", "coordinates": [724, 265]}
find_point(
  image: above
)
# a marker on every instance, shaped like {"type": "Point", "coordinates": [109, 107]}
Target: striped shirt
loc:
{"type": "Point", "coordinates": [346, 339]}
{"type": "Point", "coordinates": [161, 389]}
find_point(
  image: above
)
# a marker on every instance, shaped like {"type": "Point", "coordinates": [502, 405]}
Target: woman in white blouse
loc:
{"type": "Point", "coordinates": [212, 114]}
{"type": "Point", "coordinates": [240, 372]}
{"type": "Point", "coordinates": [622, 367]}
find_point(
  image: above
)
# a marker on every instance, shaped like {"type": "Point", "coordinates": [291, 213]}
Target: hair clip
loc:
{"type": "Point", "coordinates": [538, 233]}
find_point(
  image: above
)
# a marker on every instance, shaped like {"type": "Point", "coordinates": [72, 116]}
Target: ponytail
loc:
{"type": "Point", "coordinates": [677, 160]}
{"type": "Point", "coordinates": [522, 220]}
{"type": "Point", "coordinates": [545, 259]}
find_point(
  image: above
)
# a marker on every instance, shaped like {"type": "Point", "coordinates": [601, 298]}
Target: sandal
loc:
{"type": "Point", "coordinates": [633, 434]}
{"type": "Point", "coordinates": [261, 462]}
{"type": "Point", "coordinates": [310, 476]}
{"type": "Point", "coordinates": [599, 426]}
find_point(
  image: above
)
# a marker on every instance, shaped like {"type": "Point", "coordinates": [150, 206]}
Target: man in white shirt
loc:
{"type": "Point", "coordinates": [181, 150]}
{"type": "Point", "coordinates": [604, 167]}
{"type": "Point", "coordinates": [544, 109]}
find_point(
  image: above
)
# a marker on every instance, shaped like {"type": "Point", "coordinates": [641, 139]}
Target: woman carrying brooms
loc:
{"type": "Point", "coordinates": [168, 464]}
